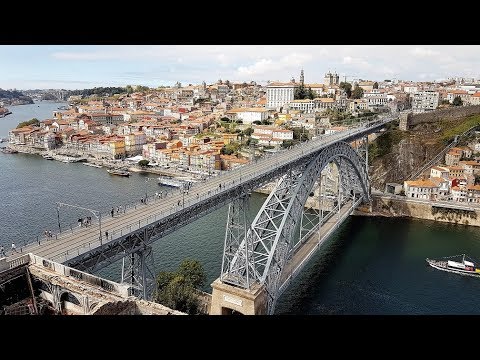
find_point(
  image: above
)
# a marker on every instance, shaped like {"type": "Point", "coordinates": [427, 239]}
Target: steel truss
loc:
{"type": "Point", "coordinates": [270, 238]}
{"type": "Point", "coordinates": [138, 271]}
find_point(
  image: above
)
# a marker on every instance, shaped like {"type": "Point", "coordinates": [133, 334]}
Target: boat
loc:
{"type": "Point", "coordinates": [118, 172]}
{"type": "Point", "coordinates": [47, 157]}
{"type": "Point", "coordinates": [7, 150]}
{"type": "Point", "coordinates": [93, 165]}
{"type": "Point", "coordinates": [462, 267]}
{"type": "Point", "coordinates": [171, 181]}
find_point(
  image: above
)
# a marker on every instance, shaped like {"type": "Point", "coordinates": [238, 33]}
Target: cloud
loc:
{"type": "Point", "coordinates": [356, 62]}
{"type": "Point", "coordinates": [423, 52]}
{"type": "Point", "coordinates": [266, 66]}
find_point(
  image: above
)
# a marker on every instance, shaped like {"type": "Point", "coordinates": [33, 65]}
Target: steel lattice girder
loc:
{"type": "Point", "coordinates": [271, 232]}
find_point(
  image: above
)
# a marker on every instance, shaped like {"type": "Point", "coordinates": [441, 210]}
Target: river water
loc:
{"type": "Point", "coordinates": [369, 266]}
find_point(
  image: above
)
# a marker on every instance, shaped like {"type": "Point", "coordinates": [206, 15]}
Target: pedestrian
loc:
{"type": "Point", "coordinates": [80, 222]}
{"type": "Point", "coordinates": [50, 233]}
{"type": "Point", "coordinates": [2, 251]}
{"type": "Point", "coordinates": [106, 234]}
{"type": "Point", "coordinates": [118, 210]}
{"type": "Point", "coordinates": [112, 211]}
{"type": "Point", "coordinates": [14, 248]}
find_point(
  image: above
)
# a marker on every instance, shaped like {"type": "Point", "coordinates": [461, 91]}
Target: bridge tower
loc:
{"type": "Point", "coordinates": [260, 260]}
{"type": "Point", "coordinates": [138, 271]}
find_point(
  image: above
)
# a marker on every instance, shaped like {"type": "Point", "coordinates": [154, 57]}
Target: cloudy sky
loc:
{"type": "Point", "coordinates": [79, 66]}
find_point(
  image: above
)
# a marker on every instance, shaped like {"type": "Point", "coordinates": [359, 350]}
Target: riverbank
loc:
{"type": "Point", "coordinates": [63, 155]}
{"type": "Point", "coordinates": [399, 206]}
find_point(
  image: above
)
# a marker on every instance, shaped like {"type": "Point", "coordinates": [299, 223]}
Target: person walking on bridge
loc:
{"type": "Point", "coordinates": [14, 248]}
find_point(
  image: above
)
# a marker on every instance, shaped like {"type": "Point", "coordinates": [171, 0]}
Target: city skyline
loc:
{"type": "Point", "coordinates": [85, 66]}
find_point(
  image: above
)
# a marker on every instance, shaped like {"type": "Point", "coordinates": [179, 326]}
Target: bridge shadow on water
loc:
{"type": "Point", "coordinates": [350, 273]}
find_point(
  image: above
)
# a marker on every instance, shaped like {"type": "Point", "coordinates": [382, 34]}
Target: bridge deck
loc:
{"type": "Point", "coordinates": [308, 248]}
{"type": "Point", "coordinates": [81, 240]}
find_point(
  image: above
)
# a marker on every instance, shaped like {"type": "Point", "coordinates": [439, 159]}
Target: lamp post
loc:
{"type": "Point", "coordinates": [146, 181]}
{"type": "Point", "coordinates": [186, 187]}
{"type": "Point", "coordinates": [95, 213]}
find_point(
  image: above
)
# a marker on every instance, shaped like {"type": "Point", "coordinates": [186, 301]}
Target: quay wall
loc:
{"type": "Point", "coordinates": [398, 207]}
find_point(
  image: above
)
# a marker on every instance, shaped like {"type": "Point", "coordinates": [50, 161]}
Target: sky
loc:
{"type": "Point", "coordinates": [85, 66]}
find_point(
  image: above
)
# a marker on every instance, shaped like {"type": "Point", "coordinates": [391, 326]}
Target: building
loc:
{"type": "Point", "coordinates": [423, 101]}
{"type": "Point", "coordinates": [421, 189]}
{"type": "Point", "coordinates": [248, 115]}
{"type": "Point", "coordinates": [331, 79]}
{"type": "Point", "coordinates": [271, 135]}
{"type": "Point", "coordinates": [475, 98]}
{"type": "Point", "coordinates": [453, 156]}
{"type": "Point", "coordinates": [439, 172]}
{"type": "Point", "coordinates": [278, 94]}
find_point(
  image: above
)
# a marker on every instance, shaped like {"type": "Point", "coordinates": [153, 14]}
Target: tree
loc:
{"type": "Point", "coordinates": [347, 87]}
{"type": "Point", "coordinates": [357, 92]}
{"type": "Point", "coordinates": [457, 101]}
{"type": "Point", "coordinates": [129, 89]}
{"type": "Point", "coordinates": [34, 122]}
{"type": "Point", "coordinates": [177, 289]}
{"type": "Point", "coordinates": [375, 85]}
{"type": "Point", "coordinates": [287, 143]}
{"type": "Point", "coordinates": [192, 271]}
{"type": "Point", "coordinates": [248, 131]}
{"type": "Point", "coordinates": [143, 163]}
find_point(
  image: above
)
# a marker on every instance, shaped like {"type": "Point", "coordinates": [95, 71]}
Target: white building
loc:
{"type": "Point", "coordinates": [421, 189]}
{"type": "Point", "coordinates": [278, 94]}
{"type": "Point", "coordinates": [271, 135]}
{"type": "Point", "coordinates": [307, 105]}
{"type": "Point", "coordinates": [423, 101]}
{"type": "Point", "coordinates": [439, 172]}
{"type": "Point", "coordinates": [248, 115]}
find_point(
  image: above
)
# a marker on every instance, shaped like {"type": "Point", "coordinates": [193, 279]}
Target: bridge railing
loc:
{"type": "Point", "coordinates": [191, 199]}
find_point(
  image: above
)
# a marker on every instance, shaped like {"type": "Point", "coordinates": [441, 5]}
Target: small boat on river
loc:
{"type": "Point", "coordinates": [118, 172]}
{"type": "Point", "coordinates": [462, 267]}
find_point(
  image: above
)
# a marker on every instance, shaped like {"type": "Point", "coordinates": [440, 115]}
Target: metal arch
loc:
{"type": "Point", "coordinates": [271, 234]}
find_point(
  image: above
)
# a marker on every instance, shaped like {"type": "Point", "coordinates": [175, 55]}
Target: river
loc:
{"type": "Point", "coordinates": [369, 266]}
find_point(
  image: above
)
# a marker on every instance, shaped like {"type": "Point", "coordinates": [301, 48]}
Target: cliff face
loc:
{"type": "Point", "coordinates": [404, 158]}
{"type": "Point", "coordinates": [397, 154]}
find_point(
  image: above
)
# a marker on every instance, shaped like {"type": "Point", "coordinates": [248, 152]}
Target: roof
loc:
{"type": "Point", "coordinates": [421, 183]}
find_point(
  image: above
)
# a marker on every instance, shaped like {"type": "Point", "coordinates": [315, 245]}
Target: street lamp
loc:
{"type": "Point", "coordinates": [186, 186]}
{"type": "Point", "coordinates": [95, 213]}
{"type": "Point", "coordinates": [146, 181]}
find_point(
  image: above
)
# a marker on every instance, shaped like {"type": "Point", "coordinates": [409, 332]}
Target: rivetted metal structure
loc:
{"type": "Point", "coordinates": [260, 253]}
{"type": "Point", "coordinates": [148, 223]}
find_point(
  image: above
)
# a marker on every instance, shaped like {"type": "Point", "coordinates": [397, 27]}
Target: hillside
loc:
{"type": "Point", "coordinates": [396, 154]}
{"type": "Point", "coordinates": [14, 97]}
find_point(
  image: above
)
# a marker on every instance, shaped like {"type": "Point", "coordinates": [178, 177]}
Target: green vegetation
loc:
{"type": "Point", "coordinates": [230, 149]}
{"type": "Point", "coordinates": [384, 143]}
{"type": "Point", "coordinates": [347, 87]}
{"type": "Point", "coordinates": [143, 163]}
{"type": "Point", "coordinates": [457, 101]}
{"type": "Point", "coordinates": [99, 91]}
{"type": "Point", "coordinates": [357, 92]}
{"type": "Point", "coordinates": [15, 94]}
{"type": "Point", "coordinates": [299, 134]}
{"type": "Point", "coordinates": [375, 85]}
{"type": "Point", "coordinates": [177, 289]}
{"type": "Point", "coordinates": [248, 131]}
{"type": "Point", "coordinates": [450, 132]}
{"type": "Point", "coordinates": [302, 93]}
{"type": "Point", "coordinates": [34, 122]}
{"type": "Point", "coordinates": [287, 143]}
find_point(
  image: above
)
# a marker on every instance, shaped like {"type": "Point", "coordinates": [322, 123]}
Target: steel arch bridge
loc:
{"type": "Point", "coordinates": [262, 253]}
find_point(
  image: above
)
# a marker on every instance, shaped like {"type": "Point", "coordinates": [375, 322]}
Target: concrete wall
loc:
{"type": "Point", "coordinates": [385, 206]}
